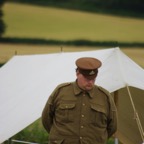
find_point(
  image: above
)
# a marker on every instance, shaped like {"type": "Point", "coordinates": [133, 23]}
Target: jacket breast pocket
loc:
{"type": "Point", "coordinates": [98, 115]}
{"type": "Point", "coordinates": [65, 113]}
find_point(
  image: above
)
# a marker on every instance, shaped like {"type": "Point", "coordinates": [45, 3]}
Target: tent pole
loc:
{"type": "Point", "coordinates": [15, 52]}
{"type": "Point", "coordinates": [61, 49]}
{"type": "Point", "coordinates": [9, 141]}
{"type": "Point", "coordinates": [116, 103]}
{"type": "Point", "coordinates": [116, 98]}
{"type": "Point", "coordinates": [136, 116]}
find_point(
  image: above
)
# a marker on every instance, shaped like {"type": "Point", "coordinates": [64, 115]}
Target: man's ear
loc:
{"type": "Point", "coordinates": [77, 72]}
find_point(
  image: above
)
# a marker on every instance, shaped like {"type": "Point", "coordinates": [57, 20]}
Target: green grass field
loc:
{"type": "Point", "coordinates": [28, 21]}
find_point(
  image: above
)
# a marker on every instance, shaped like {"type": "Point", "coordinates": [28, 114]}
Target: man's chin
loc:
{"type": "Point", "coordinates": [89, 88]}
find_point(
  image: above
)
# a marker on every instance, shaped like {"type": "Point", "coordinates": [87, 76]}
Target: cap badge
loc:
{"type": "Point", "coordinates": [92, 72]}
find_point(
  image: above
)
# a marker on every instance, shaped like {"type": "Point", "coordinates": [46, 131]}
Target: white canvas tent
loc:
{"type": "Point", "coordinates": [27, 81]}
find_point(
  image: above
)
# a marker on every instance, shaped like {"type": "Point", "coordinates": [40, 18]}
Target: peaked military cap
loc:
{"type": "Point", "coordinates": [88, 66]}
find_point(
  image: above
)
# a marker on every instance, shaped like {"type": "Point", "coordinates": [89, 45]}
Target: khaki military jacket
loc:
{"type": "Point", "coordinates": [73, 116]}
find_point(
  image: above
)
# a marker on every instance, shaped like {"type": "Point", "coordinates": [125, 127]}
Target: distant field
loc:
{"type": "Point", "coordinates": [60, 24]}
{"type": "Point", "coordinates": [9, 50]}
{"type": "Point", "coordinates": [27, 21]}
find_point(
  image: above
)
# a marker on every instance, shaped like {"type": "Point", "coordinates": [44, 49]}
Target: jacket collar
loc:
{"type": "Point", "coordinates": [78, 90]}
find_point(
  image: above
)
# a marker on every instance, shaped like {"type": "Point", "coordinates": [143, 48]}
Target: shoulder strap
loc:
{"type": "Point", "coordinates": [104, 90]}
{"type": "Point", "coordinates": [63, 85]}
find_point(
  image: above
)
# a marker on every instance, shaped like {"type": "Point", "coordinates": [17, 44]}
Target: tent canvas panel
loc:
{"type": "Point", "coordinates": [27, 81]}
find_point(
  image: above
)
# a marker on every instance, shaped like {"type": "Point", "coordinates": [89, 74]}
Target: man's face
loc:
{"type": "Point", "coordinates": [85, 83]}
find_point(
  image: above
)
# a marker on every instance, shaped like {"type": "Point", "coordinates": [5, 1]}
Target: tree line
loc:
{"type": "Point", "coordinates": [2, 24]}
{"type": "Point", "coordinates": [129, 4]}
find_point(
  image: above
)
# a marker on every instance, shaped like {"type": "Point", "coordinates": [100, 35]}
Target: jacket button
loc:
{"type": "Point", "coordinates": [82, 115]}
{"type": "Point", "coordinates": [80, 137]}
{"type": "Point", "coordinates": [82, 126]}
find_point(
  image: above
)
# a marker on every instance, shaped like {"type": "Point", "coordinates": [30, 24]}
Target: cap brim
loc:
{"type": "Point", "coordinates": [90, 76]}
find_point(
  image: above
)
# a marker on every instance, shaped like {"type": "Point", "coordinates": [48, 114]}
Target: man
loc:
{"type": "Point", "coordinates": [80, 112]}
